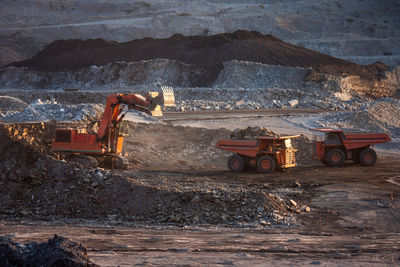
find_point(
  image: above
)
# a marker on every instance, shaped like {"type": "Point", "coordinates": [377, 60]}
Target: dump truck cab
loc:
{"type": "Point", "coordinates": [334, 146]}
{"type": "Point", "coordinates": [266, 153]}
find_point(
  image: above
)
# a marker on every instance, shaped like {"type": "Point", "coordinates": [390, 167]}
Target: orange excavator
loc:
{"type": "Point", "coordinates": [102, 148]}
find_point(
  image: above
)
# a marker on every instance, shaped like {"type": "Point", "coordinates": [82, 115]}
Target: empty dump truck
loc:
{"type": "Point", "coordinates": [336, 146]}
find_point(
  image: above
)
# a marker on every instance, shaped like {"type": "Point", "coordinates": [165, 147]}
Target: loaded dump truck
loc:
{"type": "Point", "coordinates": [267, 153]}
{"type": "Point", "coordinates": [335, 146]}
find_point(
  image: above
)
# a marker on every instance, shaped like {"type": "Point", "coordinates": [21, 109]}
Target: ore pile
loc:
{"type": "Point", "coordinates": [58, 251]}
{"type": "Point", "coordinates": [51, 110]}
{"type": "Point", "coordinates": [251, 133]}
{"type": "Point", "coordinates": [207, 52]}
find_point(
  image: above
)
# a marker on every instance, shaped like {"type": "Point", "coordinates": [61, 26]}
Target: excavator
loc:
{"type": "Point", "coordinates": [102, 148]}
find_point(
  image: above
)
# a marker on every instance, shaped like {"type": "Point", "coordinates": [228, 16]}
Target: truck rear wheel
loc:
{"type": "Point", "coordinates": [265, 164]}
{"type": "Point", "coordinates": [236, 163]}
{"type": "Point", "coordinates": [335, 157]}
{"type": "Point", "coordinates": [368, 157]}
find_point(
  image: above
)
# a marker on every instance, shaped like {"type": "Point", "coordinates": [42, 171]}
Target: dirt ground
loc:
{"type": "Point", "coordinates": [354, 220]}
{"type": "Point", "coordinates": [184, 212]}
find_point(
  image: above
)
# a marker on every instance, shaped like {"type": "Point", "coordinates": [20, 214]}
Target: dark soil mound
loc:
{"type": "Point", "coordinates": [58, 251]}
{"type": "Point", "coordinates": [209, 52]}
{"type": "Point", "coordinates": [8, 55]}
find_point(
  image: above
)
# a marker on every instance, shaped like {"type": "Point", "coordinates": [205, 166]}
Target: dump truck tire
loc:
{"type": "Point", "coordinates": [335, 157]}
{"type": "Point", "coordinates": [265, 164]}
{"type": "Point", "coordinates": [236, 163]}
{"type": "Point", "coordinates": [368, 157]}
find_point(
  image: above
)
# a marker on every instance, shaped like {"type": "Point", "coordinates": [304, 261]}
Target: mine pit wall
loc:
{"type": "Point", "coordinates": [387, 86]}
{"type": "Point", "coordinates": [114, 75]}
{"type": "Point", "coordinates": [143, 76]}
{"type": "Point", "coordinates": [250, 74]}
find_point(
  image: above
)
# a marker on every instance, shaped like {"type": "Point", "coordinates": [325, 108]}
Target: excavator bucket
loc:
{"type": "Point", "coordinates": [166, 98]}
{"type": "Point", "coordinates": [169, 97]}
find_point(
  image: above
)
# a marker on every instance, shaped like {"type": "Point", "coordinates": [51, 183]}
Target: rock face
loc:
{"type": "Point", "coordinates": [245, 74]}
{"type": "Point", "coordinates": [111, 76]}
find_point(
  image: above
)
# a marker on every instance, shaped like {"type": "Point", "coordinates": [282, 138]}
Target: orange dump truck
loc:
{"type": "Point", "coordinates": [267, 153]}
{"type": "Point", "coordinates": [337, 146]}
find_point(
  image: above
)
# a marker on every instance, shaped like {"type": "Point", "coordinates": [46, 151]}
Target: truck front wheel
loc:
{"type": "Point", "coordinates": [368, 157]}
{"type": "Point", "coordinates": [236, 163]}
{"type": "Point", "coordinates": [265, 164]}
{"type": "Point", "coordinates": [335, 157]}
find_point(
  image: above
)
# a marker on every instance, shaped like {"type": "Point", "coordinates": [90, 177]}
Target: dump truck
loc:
{"type": "Point", "coordinates": [102, 147]}
{"type": "Point", "coordinates": [266, 153]}
{"type": "Point", "coordinates": [334, 146]}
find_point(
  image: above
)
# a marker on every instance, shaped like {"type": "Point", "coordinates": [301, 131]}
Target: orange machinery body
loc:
{"type": "Point", "coordinates": [108, 139]}
{"type": "Point", "coordinates": [73, 141]}
{"type": "Point", "coordinates": [279, 148]}
{"type": "Point", "coordinates": [347, 141]}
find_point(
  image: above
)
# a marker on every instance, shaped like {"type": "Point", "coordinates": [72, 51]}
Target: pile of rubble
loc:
{"type": "Point", "coordinates": [50, 110]}
{"type": "Point", "coordinates": [25, 156]}
{"type": "Point", "coordinates": [251, 133]}
{"type": "Point", "coordinates": [58, 251]}
{"type": "Point", "coordinates": [233, 205]}
{"type": "Point", "coordinates": [382, 115]}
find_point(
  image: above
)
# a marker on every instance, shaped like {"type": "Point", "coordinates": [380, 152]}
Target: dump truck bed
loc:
{"type": "Point", "coordinates": [249, 148]}
{"type": "Point", "coordinates": [353, 140]}
{"type": "Point", "coordinates": [243, 147]}
{"type": "Point", "coordinates": [356, 140]}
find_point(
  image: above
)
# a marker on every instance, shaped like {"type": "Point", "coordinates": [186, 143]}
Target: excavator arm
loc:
{"type": "Point", "coordinates": [112, 112]}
